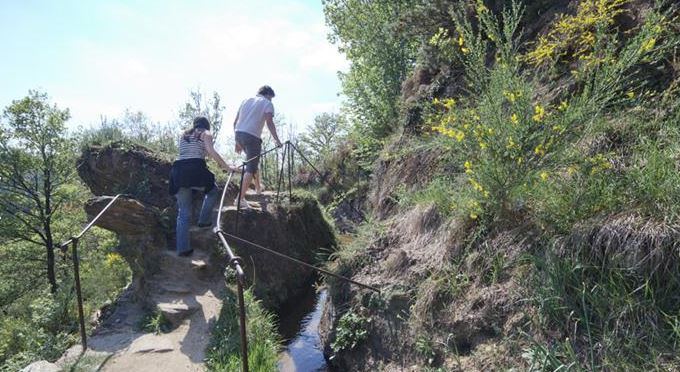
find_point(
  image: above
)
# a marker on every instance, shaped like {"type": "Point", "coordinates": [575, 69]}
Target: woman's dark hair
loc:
{"type": "Point", "coordinates": [200, 122]}
{"type": "Point", "coordinates": [266, 90]}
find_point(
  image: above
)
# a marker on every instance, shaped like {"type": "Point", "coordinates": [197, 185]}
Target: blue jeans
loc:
{"type": "Point", "coordinates": [184, 214]}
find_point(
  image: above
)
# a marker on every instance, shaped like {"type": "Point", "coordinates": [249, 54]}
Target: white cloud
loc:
{"type": "Point", "coordinates": [151, 58]}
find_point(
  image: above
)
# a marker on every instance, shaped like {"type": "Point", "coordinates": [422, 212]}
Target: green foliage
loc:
{"type": "Point", "coordinates": [381, 56]}
{"type": "Point", "coordinates": [324, 135]}
{"type": "Point", "coordinates": [134, 127]}
{"type": "Point", "coordinates": [223, 353]}
{"type": "Point", "coordinates": [35, 162]}
{"type": "Point", "coordinates": [198, 105]}
{"type": "Point", "coordinates": [154, 322]}
{"type": "Point", "coordinates": [350, 331]}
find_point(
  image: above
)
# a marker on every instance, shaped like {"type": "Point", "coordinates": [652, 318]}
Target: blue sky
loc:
{"type": "Point", "coordinates": [101, 57]}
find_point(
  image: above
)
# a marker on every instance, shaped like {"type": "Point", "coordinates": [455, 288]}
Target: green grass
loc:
{"type": "Point", "coordinates": [223, 352]}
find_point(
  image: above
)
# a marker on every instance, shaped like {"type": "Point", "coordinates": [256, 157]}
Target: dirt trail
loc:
{"type": "Point", "coordinates": [188, 297]}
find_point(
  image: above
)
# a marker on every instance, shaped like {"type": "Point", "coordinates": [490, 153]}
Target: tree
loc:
{"type": "Point", "coordinates": [35, 162]}
{"type": "Point", "coordinates": [198, 105]}
{"type": "Point", "coordinates": [382, 55]}
{"type": "Point", "coordinates": [324, 135]}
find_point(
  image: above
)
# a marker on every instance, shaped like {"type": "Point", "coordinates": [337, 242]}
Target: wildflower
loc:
{"type": "Point", "coordinates": [473, 216]}
{"type": "Point", "coordinates": [510, 96]}
{"type": "Point", "coordinates": [544, 176]}
{"type": "Point", "coordinates": [648, 45]}
{"type": "Point", "coordinates": [572, 170]}
{"type": "Point", "coordinates": [519, 161]}
{"type": "Point", "coordinates": [113, 258]}
{"type": "Point", "coordinates": [468, 167]}
{"type": "Point", "coordinates": [483, 145]}
{"type": "Point", "coordinates": [630, 95]}
{"type": "Point", "coordinates": [461, 41]}
{"type": "Point", "coordinates": [539, 113]}
{"type": "Point", "coordinates": [460, 136]}
{"type": "Point", "coordinates": [465, 50]}
{"type": "Point", "coordinates": [511, 143]}
{"type": "Point", "coordinates": [481, 8]}
{"type": "Point", "coordinates": [539, 150]}
{"type": "Point", "coordinates": [514, 119]}
{"type": "Point", "coordinates": [563, 106]}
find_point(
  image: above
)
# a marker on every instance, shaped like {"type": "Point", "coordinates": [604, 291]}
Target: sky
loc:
{"type": "Point", "coordinates": [98, 58]}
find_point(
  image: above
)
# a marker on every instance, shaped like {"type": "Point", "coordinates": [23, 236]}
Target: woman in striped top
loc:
{"type": "Point", "coordinates": [190, 172]}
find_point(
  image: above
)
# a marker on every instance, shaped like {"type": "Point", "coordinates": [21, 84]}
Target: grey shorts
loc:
{"type": "Point", "coordinates": [253, 147]}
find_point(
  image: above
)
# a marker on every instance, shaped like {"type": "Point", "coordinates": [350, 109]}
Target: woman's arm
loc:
{"type": "Point", "coordinates": [210, 149]}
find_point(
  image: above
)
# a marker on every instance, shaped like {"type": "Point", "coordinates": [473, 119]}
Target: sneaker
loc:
{"type": "Point", "coordinates": [186, 253]}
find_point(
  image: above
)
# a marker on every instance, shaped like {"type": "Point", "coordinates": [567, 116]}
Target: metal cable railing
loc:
{"type": "Point", "coordinates": [73, 241]}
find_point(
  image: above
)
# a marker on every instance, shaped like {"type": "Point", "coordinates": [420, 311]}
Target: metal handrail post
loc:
{"type": "Point", "coordinates": [238, 197]}
{"type": "Point", "coordinates": [242, 316]}
{"type": "Point", "coordinates": [283, 166]}
{"type": "Point", "coordinates": [79, 294]}
{"type": "Point", "coordinates": [290, 170]}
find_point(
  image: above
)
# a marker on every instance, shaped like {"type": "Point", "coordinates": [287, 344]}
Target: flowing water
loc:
{"type": "Point", "coordinates": [303, 351]}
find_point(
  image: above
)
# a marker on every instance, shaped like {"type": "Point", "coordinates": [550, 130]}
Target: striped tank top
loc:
{"type": "Point", "coordinates": [193, 148]}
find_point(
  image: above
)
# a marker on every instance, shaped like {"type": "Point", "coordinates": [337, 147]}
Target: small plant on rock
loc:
{"type": "Point", "coordinates": [351, 331]}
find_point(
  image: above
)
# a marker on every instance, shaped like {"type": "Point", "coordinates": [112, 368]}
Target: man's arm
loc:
{"type": "Point", "coordinates": [269, 119]}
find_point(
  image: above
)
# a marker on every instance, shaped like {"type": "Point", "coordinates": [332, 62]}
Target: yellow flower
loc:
{"type": "Point", "coordinates": [539, 150]}
{"type": "Point", "coordinates": [563, 106]}
{"type": "Point", "coordinates": [519, 161]}
{"type": "Point", "coordinates": [483, 145]}
{"type": "Point", "coordinates": [460, 136]}
{"type": "Point", "coordinates": [544, 176]}
{"type": "Point", "coordinates": [572, 169]}
{"type": "Point", "coordinates": [113, 258]}
{"type": "Point", "coordinates": [630, 95]}
{"type": "Point", "coordinates": [461, 41]}
{"type": "Point", "coordinates": [648, 45]}
{"type": "Point", "coordinates": [473, 216]}
{"type": "Point", "coordinates": [514, 119]}
{"type": "Point", "coordinates": [512, 97]}
{"type": "Point", "coordinates": [465, 50]}
{"type": "Point", "coordinates": [539, 113]}
{"type": "Point", "coordinates": [481, 8]}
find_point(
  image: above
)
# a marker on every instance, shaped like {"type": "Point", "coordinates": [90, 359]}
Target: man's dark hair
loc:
{"type": "Point", "coordinates": [266, 90]}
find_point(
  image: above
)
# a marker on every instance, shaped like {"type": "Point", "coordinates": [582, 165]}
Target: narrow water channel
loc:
{"type": "Point", "coordinates": [303, 351]}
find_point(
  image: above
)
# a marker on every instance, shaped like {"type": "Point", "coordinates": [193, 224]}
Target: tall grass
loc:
{"type": "Point", "coordinates": [224, 353]}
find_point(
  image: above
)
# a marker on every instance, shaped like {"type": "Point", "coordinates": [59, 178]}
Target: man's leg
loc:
{"type": "Point", "coordinates": [183, 214]}
{"type": "Point", "coordinates": [258, 183]}
{"type": "Point", "coordinates": [207, 208]}
{"type": "Point", "coordinates": [247, 179]}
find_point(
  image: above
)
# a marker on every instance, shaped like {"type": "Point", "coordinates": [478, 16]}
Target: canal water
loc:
{"type": "Point", "coordinates": [303, 351]}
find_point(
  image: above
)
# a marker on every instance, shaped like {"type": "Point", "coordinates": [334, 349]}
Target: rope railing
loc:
{"type": "Point", "coordinates": [73, 241]}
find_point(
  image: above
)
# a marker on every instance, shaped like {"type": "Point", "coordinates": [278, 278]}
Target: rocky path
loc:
{"type": "Point", "coordinates": [187, 292]}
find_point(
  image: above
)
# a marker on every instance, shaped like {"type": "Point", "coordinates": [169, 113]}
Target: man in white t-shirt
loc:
{"type": "Point", "coordinates": [250, 119]}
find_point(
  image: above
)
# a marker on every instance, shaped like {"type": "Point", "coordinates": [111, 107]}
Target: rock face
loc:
{"type": "Point", "coordinates": [297, 229]}
{"type": "Point", "coordinates": [123, 168]}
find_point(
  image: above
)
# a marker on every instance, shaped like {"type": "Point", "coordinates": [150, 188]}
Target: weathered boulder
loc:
{"type": "Point", "coordinates": [125, 168]}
